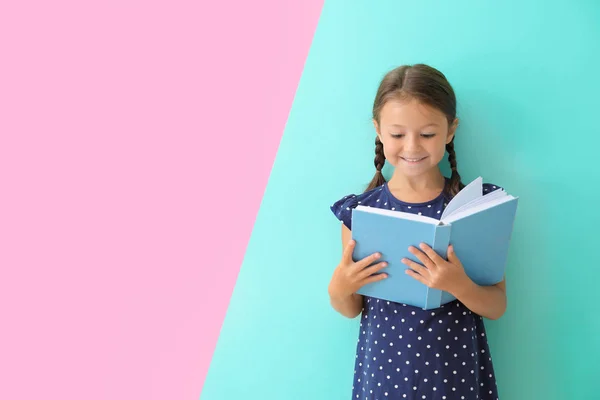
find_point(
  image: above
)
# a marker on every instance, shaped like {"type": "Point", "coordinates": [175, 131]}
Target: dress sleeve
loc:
{"type": "Point", "coordinates": [489, 188]}
{"type": "Point", "coordinates": [342, 209]}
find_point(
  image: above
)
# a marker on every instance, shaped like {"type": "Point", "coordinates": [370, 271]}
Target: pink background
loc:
{"type": "Point", "coordinates": [136, 139]}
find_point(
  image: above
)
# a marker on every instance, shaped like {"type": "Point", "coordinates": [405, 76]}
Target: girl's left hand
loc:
{"type": "Point", "coordinates": [436, 272]}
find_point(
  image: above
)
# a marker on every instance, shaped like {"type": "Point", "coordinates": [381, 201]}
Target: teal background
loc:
{"type": "Point", "coordinates": [528, 91]}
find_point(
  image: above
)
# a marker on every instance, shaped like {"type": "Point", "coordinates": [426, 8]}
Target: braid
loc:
{"type": "Point", "coordinates": [379, 156]}
{"type": "Point", "coordinates": [379, 162]}
{"type": "Point", "coordinates": [455, 182]}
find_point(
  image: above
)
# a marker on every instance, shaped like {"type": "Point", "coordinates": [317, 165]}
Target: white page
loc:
{"type": "Point", "coordinates": [475, 210]}
{"type": "Point", "coordinates": [469, 193]}
{"type": "Point", "coordinates": [482, 200]}
{"type": "Point", "coordinates": [399, 214]}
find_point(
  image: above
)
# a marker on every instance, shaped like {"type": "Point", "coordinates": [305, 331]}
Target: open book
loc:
{"type": "Point", "coordinates": [478, 226]}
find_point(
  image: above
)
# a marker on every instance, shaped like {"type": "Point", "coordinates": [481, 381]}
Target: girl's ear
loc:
{"type": "Point", "coordinates": [452, 131]}
{"type": "Point", "coordinates": [377, 130]}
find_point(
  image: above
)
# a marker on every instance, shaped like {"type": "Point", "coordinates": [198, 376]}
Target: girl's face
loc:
{"type": "Point", "coordinates": [414, 135]}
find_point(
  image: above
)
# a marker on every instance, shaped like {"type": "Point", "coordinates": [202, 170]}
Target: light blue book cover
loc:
{"type": "Point", "coordinates": [478, 226]}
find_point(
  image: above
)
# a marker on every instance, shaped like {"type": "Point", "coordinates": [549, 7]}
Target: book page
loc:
{"type": "Point", "coordinates": [480, 207]}
{"type": "Point", "coordinates": [482, 200]}
{"type": "Point", "coordinates": [469, 193]}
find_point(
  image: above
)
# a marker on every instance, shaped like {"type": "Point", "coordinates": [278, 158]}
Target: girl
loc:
{"type": "Point", "coordinates": [405, 352]}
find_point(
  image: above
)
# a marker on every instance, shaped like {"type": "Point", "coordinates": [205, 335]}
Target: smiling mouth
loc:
{"type": "Point", "coordinates": [413, 160]}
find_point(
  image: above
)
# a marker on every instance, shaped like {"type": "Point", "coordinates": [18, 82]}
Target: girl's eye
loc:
{"type": "Point", "coordinates": [425, 135]}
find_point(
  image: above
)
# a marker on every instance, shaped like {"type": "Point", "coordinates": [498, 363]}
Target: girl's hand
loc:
{"type": "Point", "coordinates": [349, 276]}
{"type": "Point", "coordinates": [436, 272]}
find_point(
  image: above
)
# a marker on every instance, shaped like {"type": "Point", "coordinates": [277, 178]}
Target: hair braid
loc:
{"type": "Point", "coordinates": [455, 181]}
{"type": "Point", "coordinates": [379, 162]}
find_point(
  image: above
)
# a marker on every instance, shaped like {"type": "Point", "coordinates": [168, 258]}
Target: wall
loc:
{"type": "Point", "coordinates": [527, 89]}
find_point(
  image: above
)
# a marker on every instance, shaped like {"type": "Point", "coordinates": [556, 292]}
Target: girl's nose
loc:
{"type": "Point", "coordinates": [412, 142]}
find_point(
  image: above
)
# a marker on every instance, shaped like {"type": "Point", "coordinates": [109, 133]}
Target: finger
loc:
{"type": "Point", "coordinates": [347, 256]}
{"type": "Point", "coordinates": [417, 276]}
{"type": "Point", "coordinates": [424, 258]}
{"type": "Point", "coordinates": [374, 278]}
{"type": "Point", "coordinates": [433, 256]}
{"type": "Point", "coordinates": [373, 269]}
{"type": "Point", "coordinates": [452, 257]}
{"type": "Point", "coordinates": [365, 262]}
{"type": "Point", "coordinates": [421, 270]}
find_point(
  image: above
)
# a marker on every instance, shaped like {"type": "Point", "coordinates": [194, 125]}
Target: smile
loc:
{"type": "Point", "coordinates": [413, 160]}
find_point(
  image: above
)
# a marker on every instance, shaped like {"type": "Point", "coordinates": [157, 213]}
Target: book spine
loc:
{"type": "Point", "coordinates": [440, 245]}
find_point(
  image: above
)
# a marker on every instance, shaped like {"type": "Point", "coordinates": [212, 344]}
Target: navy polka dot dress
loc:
{"type": "Point", "coordinates": [405, 352]}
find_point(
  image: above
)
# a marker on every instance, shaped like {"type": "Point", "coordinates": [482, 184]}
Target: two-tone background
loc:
{"type": "Point", "coordinates": [166, 171]}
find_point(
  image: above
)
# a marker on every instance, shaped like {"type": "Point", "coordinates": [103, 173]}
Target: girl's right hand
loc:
{"type": "Point", "coordinates": [349, 276]}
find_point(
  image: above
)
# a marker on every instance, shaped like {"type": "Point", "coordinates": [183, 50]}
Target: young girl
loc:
{"type": "Point", "coordinates": [405, 352]}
